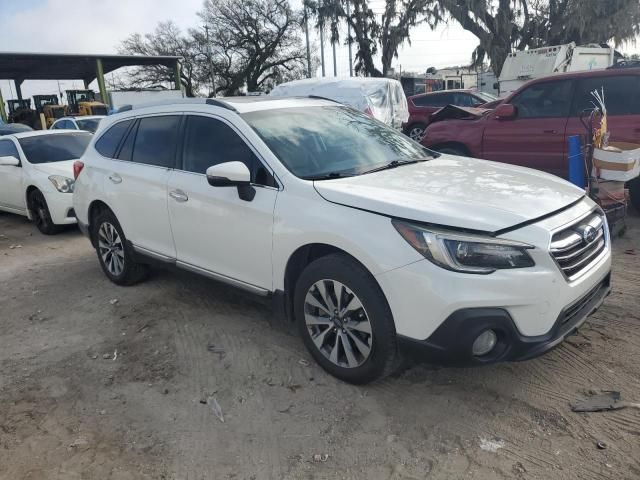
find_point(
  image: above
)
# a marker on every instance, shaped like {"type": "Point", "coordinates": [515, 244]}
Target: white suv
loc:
{"type": "Point", "coordinates": [372, 244]}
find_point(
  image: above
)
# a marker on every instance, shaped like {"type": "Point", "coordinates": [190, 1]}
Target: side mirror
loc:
{"type": "Point", "coordinates": [232, 174]}
{"type": "Point", "coordinates": [228, 174]}
{"type": "Point", "coordinates": [506, 111]}
{"type": "Point", "coordinates": [9, 162]}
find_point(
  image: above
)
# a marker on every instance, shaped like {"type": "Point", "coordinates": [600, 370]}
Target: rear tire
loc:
{"type": "Point", "coordinates": [40, 213]}
{"type": "Point", "coordinates": [356, 342]}
{"type": "Point", "coordinates": [115, 254]}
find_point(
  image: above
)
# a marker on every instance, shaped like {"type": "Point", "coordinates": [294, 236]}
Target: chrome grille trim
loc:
{"type": "Point", "coordinates": [570, 249]}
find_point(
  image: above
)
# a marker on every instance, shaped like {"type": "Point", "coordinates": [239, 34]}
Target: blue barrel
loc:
{"type": "Point", "coordinates": [576, 161]}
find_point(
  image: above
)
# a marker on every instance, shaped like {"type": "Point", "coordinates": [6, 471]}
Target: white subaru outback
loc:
{"type": "Point", "coordinates": [373, 245]}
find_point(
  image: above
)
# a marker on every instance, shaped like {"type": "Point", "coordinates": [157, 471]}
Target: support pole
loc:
{"type": "Point", "coordinates": [101, 84]}
{"type": "Point", "coordinates": [322, 47]}
{"type": "Point", "coordinates": [213, 78]}
{"type": "Point", "coordinates": [177, 76]}
{"type": "Point", "coordinates": [349, 38]}
{"type": "Point", "coordinates": [333, 43]}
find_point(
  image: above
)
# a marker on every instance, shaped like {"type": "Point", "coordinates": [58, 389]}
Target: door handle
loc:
{"type": "Point", "coordinates": [178, 195]}
{"type": "Point", "coordinates": [550, 131]}
{"type": "Point", "coordinates": [115, 178]}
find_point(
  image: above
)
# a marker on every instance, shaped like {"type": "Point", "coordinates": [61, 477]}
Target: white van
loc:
{"type": "Point", "coordinates": [381, 98]}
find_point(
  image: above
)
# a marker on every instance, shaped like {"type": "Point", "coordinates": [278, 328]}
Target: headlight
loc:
{"type": "Point", "coordinates": [465, 253]}
{"type": "Point", "coordinates": [62, 184]}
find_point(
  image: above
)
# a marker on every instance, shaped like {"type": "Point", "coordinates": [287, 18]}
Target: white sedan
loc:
{"type": "Point", "coordinates": [36, 175]}
{"type": "Point", "coordinates": [88, 123]}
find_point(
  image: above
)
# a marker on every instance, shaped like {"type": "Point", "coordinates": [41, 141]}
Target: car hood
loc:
{"type": "Point", "coordinates": [64, 168]}
{"type": "Point", "coordinates": [456, 192]}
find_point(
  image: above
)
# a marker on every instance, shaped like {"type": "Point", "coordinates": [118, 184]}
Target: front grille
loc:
{"type": "Point", "coordinates": [578, 246]}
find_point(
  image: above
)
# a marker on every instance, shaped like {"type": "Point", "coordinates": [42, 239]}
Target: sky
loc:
{"type": "Point", "coordinates": [98, 26]}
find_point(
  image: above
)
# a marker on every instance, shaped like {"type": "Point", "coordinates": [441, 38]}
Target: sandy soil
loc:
{"type": "Point", "coordinates": [103, 382]}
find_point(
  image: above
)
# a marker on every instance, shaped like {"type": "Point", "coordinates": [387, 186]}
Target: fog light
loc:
{"type": "Point", "coordinates": [484, 343]}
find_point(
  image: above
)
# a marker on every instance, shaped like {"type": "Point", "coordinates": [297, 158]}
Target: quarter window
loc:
{"type": "Point", "coordinates": [108, 143]}
{"type": "Point", "coordinates": [544, 100]}
{"type": "Point", "coordinates": [156, 141]}
{"type": "Point", "coordinates": [8, 149]}
{"type": "Point", "coordinates": [209, 142]}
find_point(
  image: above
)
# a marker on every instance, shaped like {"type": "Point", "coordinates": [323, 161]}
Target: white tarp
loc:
{"type": "Point", "coordinates": [383, 98]}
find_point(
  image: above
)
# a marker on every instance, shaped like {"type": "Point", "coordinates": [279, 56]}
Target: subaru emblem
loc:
{"type": "Point", "coordinates": [589, 234]}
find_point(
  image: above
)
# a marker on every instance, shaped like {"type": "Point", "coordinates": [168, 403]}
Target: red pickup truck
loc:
{"type": "Point", "coordinates": [530, 127]}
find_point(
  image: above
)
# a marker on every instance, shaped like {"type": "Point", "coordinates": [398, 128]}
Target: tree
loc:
{"type": "Point", "coordinates": [369, 31]}
{"type": "Point", "coordinates": [502, 26]}
{"type": "Point", "coordinates": [167, 39]}
{"type": "Point", "coordinates": [254, 42]}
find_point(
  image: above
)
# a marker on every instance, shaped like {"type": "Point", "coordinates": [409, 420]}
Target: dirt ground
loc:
{"type": "Point", "coordinates": [105, 382]}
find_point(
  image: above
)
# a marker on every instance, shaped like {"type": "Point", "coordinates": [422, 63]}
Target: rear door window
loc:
{"type": "Point", "coordinates": [107, 144]}
{"type": "Point", "coordinates": [156, 141]}
{"type": "Point", "coordinates": [545, 100]}
{"type": "Point", "coordinates": [8, 149]}
{"type": "Point", "coordinates": [209, 141]}
{"type": "Point", "coordinates": [621, 94]}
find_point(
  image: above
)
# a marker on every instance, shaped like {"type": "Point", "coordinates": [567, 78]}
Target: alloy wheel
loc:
{"type": "Point", "coordinates": [416, 133]}
{"type": "Point", "coordinates": [111, 249]}
{"type": "Point", "coordinates": [338, 323]}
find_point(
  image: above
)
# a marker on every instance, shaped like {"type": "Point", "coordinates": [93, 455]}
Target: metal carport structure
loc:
{"type": "Point", "coordinates": [61, 66]}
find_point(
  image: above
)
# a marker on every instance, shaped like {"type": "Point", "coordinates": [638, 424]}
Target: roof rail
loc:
{"type": "Point", "coordinates": [124, 108]}
{"type": "Point", "coordinates": [218, 103]}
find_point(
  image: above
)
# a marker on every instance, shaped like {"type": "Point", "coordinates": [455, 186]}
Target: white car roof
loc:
{"type": "Point", "coordinates": [81, 117]}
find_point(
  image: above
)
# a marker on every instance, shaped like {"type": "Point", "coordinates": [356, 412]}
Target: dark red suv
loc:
{"type": "Point", "coordinates": [422, 106]}
{"type": "Point", "coordinates": [531, 126]}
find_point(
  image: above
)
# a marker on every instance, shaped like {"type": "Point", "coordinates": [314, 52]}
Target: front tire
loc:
{"type": "Point", "coordinates": [41, 214]}
{"type": "Point", "coordinates": [416, 131]}
{"type": "Point", "coordinates": [345, 321]}
{"type": "Point", "coordinates": [115, 254]}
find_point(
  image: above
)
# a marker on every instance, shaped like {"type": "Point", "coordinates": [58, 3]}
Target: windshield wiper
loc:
{"type": "Point", "coordinates": [327, 176]}
{"type": "Point", "coordinates": [392, 164]}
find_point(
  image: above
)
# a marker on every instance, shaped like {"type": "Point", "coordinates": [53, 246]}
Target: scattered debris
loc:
{"type": "Point", "coordinates": [165, 391]}
{"type": "Point", "coordinates": [321, 458]}
{"type": "Point", "coordinates": [518, 467]}
{"type": "Point", "coordinates": [217, 350]}
{"type": "Point", "coordinates": [115, 354]}
{"type": "Point", "coordinates": [142, 328]}
{"type": "Point", "coordinates": [285, 409]}
{"type": "Point", "coordinates": [303, 362]}
{"type": "Point", "coordinates": [215, 407]}
{"type": "Point", "coordinates": [106, 356]}
{"type": "Point", "coordinates": [113, 301]}
{"type": "Point", "coordinates": [103, 412]}
{"type": "Point", "coordinates": [601, 445]}
{"type": "Point", "coordinates": [491, 445]}
{"type": "Point", "coordinates": [604, 401]}
{"type": "Point", "coordinates": [11, 247]}
{"type": "Point", "coordinates": [630, 251]}
{"type": "Point", "coordinates": [94, 356]}
{"type": "Point", "coordinates": [79, 442]}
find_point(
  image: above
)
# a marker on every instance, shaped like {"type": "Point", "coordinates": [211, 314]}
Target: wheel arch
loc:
{"type": "Point", "coordinates": [30, 188]}
{"type": "Point", "coordinates": [299, 260]}
{"type": "Point", "coordinates": [94, 209]}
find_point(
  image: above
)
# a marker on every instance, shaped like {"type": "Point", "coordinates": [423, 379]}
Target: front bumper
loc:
{"type": "Point", "coordinates": [452, 341]}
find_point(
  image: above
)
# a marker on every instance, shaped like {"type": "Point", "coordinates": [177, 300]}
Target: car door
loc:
{"type": "Point", "coordinates": [535, 137]}
{"type": "Point", "coordinates": [12, 195]}
{"type": "Point", "coordinates": [215, 231]}
{"type": "Point", "coordinates": [622, 99]}
{"type": "Point", "coordinates": [135, 182]}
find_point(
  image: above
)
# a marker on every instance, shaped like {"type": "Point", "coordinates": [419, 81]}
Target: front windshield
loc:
{"type": "Point", "coordinates": [316, 142]}
{"type": "Point", "coordinates": [89, 124]}
{"type": "Point", "coordinates": [54, 148]}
